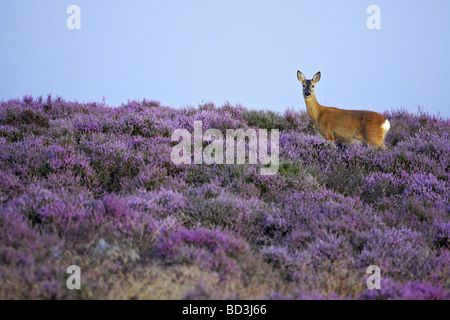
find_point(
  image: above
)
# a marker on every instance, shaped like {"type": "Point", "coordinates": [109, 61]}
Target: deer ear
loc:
{"type": "Point", "coordinates": [300, 77]}
{"type": "Point", "coordinates": [316, 77]}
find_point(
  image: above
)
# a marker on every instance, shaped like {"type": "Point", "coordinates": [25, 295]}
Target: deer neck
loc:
{"type": "Point", "coordinates": [313, 107]}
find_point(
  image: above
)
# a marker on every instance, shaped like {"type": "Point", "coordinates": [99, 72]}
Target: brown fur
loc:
{"type": "Point", "coordinates": [344, 126]}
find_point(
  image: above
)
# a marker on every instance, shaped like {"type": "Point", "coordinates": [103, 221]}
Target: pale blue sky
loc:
{"type": "Point", "coordinates": [247, 51]}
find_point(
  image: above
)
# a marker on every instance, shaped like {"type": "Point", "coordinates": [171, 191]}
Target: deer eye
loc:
{"type": "Point", "coordinates": [312, 86]}
{"type": "Point", "coordinates": [304, 86]}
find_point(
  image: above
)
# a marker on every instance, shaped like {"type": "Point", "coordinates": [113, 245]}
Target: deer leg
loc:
{"type": "Point", "coordinates": [329, 136]}
{"type": "Point", "coordinates": [341, 146]}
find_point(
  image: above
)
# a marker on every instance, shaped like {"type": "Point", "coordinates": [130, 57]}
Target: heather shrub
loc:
{"type": "Point", "coordinates": [226, 211]}
{"type": "Point", "coordinates": [264, 119]}
{"type": "Point", "coordinates": [441, 237]}
{"type": "Point", "coordinates": [26, 117]}
{"type": "Point", "coordinates": [405, 125]}
{"type": "Point", "coordinates": [11, 133]}
{"type": "Point", "coordinates": [379, 185]}
{"type": "Point", "coordinates": [298, 121]}
{"type": "Point", "coordinates": [10, 186]}
{"type": "Point", "coordinates": [27, 267]}
{"type": "Point", "coordinates": [163, 203]}
{"type": "Point", "coordinates": [304, 295]}
{"type": "Point", "coordinates": [151, 178]}
{"type": "Point", "coordinates": [212, 119]}
{"type": "Point", "coordinates": [95, 186]}
{"type": "Point", "coordinates": [396, 251]}
{"type": "Point", "coordinates": [213, 250]}
{"type": "Point", "coordinates": [110, 161]}
{"type": "Point", "coordinates": [411, 290]}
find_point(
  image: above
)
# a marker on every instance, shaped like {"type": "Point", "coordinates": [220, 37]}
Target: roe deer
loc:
{"type": "Point", "coordinates": [343, 126]}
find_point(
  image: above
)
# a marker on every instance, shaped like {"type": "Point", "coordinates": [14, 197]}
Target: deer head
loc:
{"type": "Point", "coordinates": [308, 85]}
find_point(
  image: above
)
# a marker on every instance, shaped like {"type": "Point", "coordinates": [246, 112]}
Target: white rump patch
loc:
{"type": "Point", "coordinates": [386, 126]}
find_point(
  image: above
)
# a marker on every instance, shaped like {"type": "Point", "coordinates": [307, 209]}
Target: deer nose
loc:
{"type": "Point", "coordinates": [307, 94]}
